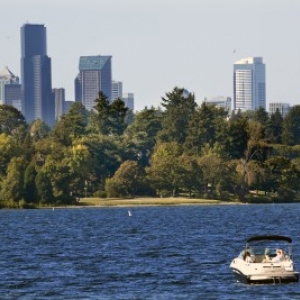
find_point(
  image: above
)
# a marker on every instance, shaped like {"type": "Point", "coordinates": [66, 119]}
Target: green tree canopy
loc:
{"type": "Point", "coordinates": [126, 181]}
{"type": "Point", "coordinates": [274, 128]}
{"type": "Point", "coordinates": [12, 188]}
{"type": "Point", "coordinates": [117, 117]}
{"type": "Point", "coordinates": [205, 127]}
{"type": "Point", "coordinates": [72, 125]}
{"type": "Point", "coordinates": [100, 122]}
{"type": "Point", "coordinates": [179, 107]}
{"type": "Point", "coordinates": [140, 135]}
{"type": "Point", "coordinates": [291, 126]}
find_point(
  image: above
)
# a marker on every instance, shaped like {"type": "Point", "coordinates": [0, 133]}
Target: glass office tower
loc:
{"type": "Point", "coordinates": [38, 102]}
{"type": "Point", "coordinates": [249, 84]}
{"type": "Point", "coordinates": [94, 76]}
{"type": "Point", "coordinates": [6, 78]}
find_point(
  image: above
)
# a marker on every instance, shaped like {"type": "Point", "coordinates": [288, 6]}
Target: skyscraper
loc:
{"type": "Point", "coordinates": [283, 108]}
{"type": "Point", "coordinates": [116, 90]}
{"type": "Point", "coordinates": [249, 81]}
{"type": "Point", "coordinates": [59, 99]}
{"type": "Point", "coordinates": [9, 87]}
{"type": "Point", "coordinates": [128, 99]}
{"type": "Point", "coordinates": [94, 76]}
{"type": "Point", "coordinates": [36, 75]}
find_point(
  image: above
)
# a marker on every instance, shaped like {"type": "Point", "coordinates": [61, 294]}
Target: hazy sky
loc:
{"type": "Point", "coordinates": [159, 44]}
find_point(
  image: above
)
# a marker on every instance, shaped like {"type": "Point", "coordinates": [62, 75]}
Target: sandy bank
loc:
{"type": "Point", "coordinates": [99, 202]}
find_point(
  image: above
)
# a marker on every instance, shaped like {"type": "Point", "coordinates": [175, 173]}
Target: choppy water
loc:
{"type": "Point", "coordinates": [157, 253]}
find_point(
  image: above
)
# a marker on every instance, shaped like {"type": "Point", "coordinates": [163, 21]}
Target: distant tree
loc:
{"type": "Point", "coordinates": [11, 120]}
{"type": "Point", "coordinates": [216, 178]}
{"type": "Point", "coordinates": [205, 127]}
{"type": "Point", "coordinates": [140, 135]}
{"type": "Point", "coordinates": [117, 116]}
{"type": "Point", "coordinates": [274, 128]}
{"type": "Point", "coordinates": [106, 156]}
{"type": "Point", "coordinates": [235, 136]}
{"type": "Point", "coordinates": [192, 177]}
{"type": "Point", "coordinates": [165, 172]}
{"type": "Point", "coordinates": [44, 188]}
{"type": "Point", "coordinates": [284, 176]}
{"type": "Point", "coordinates": [179, 108]}
{"type": "Point", "coordinates": [12, 190]}
{"type": "Point", "coordinates": [9, 149]}
{"type": "Point", "coordinates": [30, 192]}
{"type": "Point", "coordinates": [291, 125]}
{"type": "Point", "coordinates": [39, 130]}
{"type": "Point", "coordinates": [72, 125]}
{"type": "Point", "coordinates": [99, 121]}
{"type": "Point", "coordinates": [261, 115]}
{"type": "Point", "coordinates": [126, 181]}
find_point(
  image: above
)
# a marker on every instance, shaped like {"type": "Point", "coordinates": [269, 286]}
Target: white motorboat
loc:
{"type": "Point", "coordinates": [265, 259]}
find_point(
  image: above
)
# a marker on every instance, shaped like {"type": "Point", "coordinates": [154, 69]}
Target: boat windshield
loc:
{"type": "Point", "coordinates": [269, 248]}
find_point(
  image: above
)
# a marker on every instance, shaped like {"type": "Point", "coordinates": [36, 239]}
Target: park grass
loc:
{"type": "Point", "coordinates": [101, 202]}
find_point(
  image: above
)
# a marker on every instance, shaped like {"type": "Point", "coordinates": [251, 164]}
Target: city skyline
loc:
{"type": "Point", "coordinates": [157, 45]}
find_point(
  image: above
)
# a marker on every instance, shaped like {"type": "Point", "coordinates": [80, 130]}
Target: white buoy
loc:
{"type": "Point", "coordinates": [129, 213]}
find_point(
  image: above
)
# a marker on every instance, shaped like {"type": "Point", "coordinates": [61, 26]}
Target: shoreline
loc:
{"type": "Point", "coordinates": [136, 202]}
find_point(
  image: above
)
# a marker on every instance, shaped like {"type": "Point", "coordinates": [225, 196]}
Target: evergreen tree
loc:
{"type": "Point", "coordinates": [235, 136]}
{"type": "Point", "coordinates": [117, 116]}
{"type": "Point", "coordinates": [30, 192]}
{"type": "Point", "coordinates": [72, 125]}
{"type": "Point", "coordinates": [291, 125]}
{"type": "Point", "coordinates": [274, 128]}
{"type": "Point", "coordinates": [44, 188]}
{"type": "Point", "coordinates": [13, 185]}
{"type": "Point", "coordinates": [100, 118]}
{"type": "Point", "coordinates": [205, 127]}
{"type": "Point", "coordinates": [261, 115]}
{"type": "Point", "coordinates": [140, 136]}
{"type": "Point", "coordinates": [179, 107]}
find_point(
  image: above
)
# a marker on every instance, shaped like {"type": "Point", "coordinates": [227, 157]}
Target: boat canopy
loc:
{"type": "Point", "coordinates": [270, 238]}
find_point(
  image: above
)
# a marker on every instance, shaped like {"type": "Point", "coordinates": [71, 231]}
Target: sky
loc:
{"type": "Point", "coordinates": [159, 44]}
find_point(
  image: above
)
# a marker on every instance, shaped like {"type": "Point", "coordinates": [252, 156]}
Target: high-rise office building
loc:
{"type": "Point", "coordinates": [67, 105]}
{"type": "Point", "coordinates": [94, 75]}
{"type": "Point", "coordinates": [283, 108]}
{"type": "Point", "coordinates": [116, 90]}
{"type": "Point", "coordinates": [128, 99]}
{"type": "Point", "coordinates": [249, 81]}
{"type": "Point", "coordinates": [36, 75]}
{"type": "Point", "coordinates": [13, 95]}
{"type": "Point", "coordinates": [7, 78]}
{"type": "Point", "coordinates": [59, 100]}
{"type": "Point", "coordinates": [220, 101]}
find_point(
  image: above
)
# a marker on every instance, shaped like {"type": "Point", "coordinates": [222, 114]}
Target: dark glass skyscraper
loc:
{"type": "Point", "coordinates": [36, 75]}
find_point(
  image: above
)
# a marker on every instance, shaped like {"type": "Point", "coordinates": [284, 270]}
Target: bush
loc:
{"type": "Point", "coordinates": [100, 194]}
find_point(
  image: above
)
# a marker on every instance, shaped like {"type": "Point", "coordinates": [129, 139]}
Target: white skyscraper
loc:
{"type": "Point", "coordinates": [249, 81]}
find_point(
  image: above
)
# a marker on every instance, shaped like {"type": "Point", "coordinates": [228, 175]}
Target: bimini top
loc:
{"type": "Point", "coordinates": [269, 238]}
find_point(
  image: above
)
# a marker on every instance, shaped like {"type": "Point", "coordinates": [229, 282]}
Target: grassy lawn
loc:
{"type": "Point", "coordinates": [147, 201]}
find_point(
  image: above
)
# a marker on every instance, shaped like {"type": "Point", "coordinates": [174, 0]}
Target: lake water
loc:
{"type": "Point", "coordinates": [157, 253]}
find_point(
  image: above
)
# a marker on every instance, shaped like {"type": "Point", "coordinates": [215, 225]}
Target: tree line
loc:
{"type": "Point", "coordinates": [181, 148]}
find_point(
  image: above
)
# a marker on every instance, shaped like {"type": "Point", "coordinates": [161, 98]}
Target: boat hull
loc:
{"type": "Point", "coordinates": [283, 277]}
